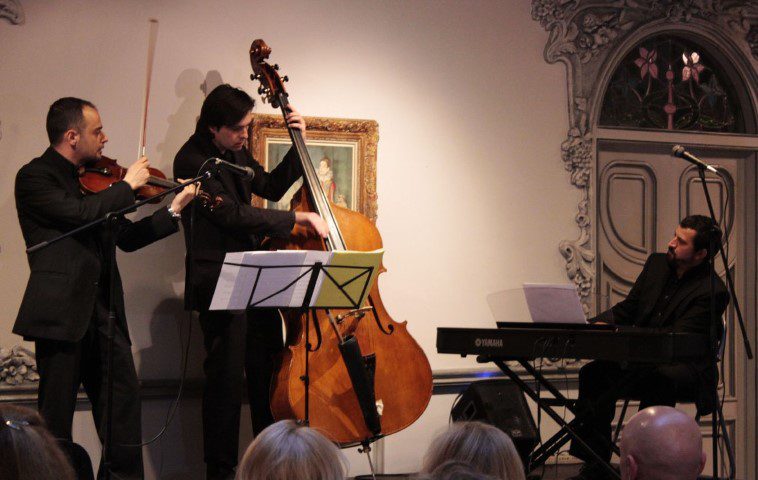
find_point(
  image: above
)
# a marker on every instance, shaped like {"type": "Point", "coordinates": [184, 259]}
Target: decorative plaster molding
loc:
{"type": "Point", "coordinates": [12, 11]}
{"type": "Point", "coordinates": [583, 35]}
{"type": "Point", "coordinates": [17, 366]}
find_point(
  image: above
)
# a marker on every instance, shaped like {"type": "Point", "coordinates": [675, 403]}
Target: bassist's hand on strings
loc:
{"type": "Point", "coordinates": [295, 120]}
{"type": "Point", "coordinates": [313, 221]}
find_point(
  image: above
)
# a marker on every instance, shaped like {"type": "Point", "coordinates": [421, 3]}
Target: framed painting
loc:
{"type": "Point", "coordinates": [343, 153]}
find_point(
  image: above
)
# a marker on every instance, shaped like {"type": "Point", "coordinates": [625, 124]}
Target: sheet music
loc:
{"type": "Point", "coordinates": [554, 303]}
{"type": "Point", "coordinates": [311, 257]}
{"type": "Point", "coordinates": [268, 290]}
{"type": "Point", "coordinates": [235, 283]}
{"type": "Point", "coordinates": [280, 279]}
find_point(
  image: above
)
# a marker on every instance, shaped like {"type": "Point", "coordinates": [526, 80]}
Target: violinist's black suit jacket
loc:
{"type": "Point", "coordinates": [234, 225]}
{"type": "Point", "coordinates": [65, 277]}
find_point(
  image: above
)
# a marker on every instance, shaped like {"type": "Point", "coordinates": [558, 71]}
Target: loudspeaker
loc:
{"type": "Point", "coordinates": [501, 404]}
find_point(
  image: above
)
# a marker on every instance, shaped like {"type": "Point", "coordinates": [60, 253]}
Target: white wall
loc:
{"type": "Point", "coordinates": [473, 197]}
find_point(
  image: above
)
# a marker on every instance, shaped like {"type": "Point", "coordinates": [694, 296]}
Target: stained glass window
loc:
{"type": "Point", "coordinates": [671, 83]}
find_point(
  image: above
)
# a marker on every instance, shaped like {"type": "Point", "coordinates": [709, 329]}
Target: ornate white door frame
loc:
{"type": "Point", "coordinates": [590, 38]}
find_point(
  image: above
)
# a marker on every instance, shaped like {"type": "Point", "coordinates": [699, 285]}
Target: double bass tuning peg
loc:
{"type": "Point", "coordinates": [285, 79]}
{"type": "Point", "coordinates": [276, 66]}
{"type": "Point", "coordinates": [255, 76]}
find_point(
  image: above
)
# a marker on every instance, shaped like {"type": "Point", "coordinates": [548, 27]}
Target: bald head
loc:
{"type": "Point", "coordinates": [661, 443]}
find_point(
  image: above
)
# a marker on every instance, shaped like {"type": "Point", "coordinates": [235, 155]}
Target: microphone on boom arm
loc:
{"type": "Point", "coordinates": [245, 172]}
{"type": "Point", "coordinates": [679, 151]}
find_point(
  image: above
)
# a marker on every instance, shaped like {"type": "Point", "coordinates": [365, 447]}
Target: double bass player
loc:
{"type": "Point", "coordinates": [234, 341]}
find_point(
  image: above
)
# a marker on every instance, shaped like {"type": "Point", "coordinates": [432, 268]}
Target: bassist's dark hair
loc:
{"type": "Point", "coordinates": [225, 106]}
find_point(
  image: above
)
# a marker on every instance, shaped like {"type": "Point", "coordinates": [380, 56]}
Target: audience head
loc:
{"type": "Point", "coordinates": [488, 450]}
{"type": "Point", "coordinates": [661, 443]}
{"type": "Point", "coordinates": [455, 470]}
{"type": "Point", "coordinates": [288, 451]}
{"type": "Point", "coordinates": [27, 450]}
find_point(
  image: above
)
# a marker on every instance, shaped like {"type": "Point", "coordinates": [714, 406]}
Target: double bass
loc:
{"type": "Point", "coordinates": [367, 376]}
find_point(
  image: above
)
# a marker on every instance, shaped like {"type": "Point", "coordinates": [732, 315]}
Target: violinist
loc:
{"type": "Point", "coordinates": [65, 307]}
{"type": "Point", "coordinates": [234, 341]}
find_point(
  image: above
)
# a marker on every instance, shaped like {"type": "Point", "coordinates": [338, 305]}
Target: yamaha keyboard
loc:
{"type": "Point", "coordinates": [527, 341]}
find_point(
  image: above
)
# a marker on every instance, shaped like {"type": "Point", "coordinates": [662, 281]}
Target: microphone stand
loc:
{"type": "Point", "coordinates": [717, 417]}
{"type": "Point", "coordinates": [110, 223]}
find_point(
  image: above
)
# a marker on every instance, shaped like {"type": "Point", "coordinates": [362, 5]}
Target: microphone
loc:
{"type": "Point", "coordinates": [679, 151]}
{"type": "Point", "coordinates": [245, 172]}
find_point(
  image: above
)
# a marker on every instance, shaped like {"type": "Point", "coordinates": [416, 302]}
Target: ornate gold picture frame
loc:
{"type": "Point", "coordinates": [343, 152]}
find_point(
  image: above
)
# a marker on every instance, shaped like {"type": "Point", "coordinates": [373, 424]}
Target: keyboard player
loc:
{"type": "Point", "coordinates": [671, 294]}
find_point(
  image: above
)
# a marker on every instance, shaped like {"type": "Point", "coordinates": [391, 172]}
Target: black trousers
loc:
{"type": "Point", "coordinates": [236, 342]}
{"type": "Point", "coordinates": [63, 366]}
{"type": "Point", "coordinates": [603, 383]}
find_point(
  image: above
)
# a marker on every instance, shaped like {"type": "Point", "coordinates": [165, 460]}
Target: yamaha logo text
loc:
{"type": "Point", "coordinates": [489, 342]}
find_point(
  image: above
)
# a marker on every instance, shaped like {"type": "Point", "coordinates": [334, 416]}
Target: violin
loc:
{"type": "Point", "coordinates": [392, 384]}
{"type": "Point", "coordinates": [101, 174]}
{"type": "Point", "coordinates": [96, 176]}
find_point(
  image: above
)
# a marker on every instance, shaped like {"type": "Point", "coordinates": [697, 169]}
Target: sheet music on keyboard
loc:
{"type": "Point", "coordinates": [554, 303]}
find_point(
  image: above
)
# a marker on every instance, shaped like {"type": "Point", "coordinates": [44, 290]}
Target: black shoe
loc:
{"type": "Point", "coordinates": [593, 471]}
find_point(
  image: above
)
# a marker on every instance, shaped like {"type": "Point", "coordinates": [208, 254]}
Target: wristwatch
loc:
{"type": "Point", "coordinates": [173, 213]}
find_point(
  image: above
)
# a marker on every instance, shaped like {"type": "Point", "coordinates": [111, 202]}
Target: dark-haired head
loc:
{"type": "Point", "coordinates": [65, 114]}
{"type": "Point", "coordinates": [705, 230]}
{"type": "Point", "coordinates": [225, 106]}
{"type": "Point", "coordinates": [27, 450]}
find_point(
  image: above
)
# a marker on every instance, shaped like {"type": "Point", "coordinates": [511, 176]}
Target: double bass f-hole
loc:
{"type": "Point", "coordinates": [310, 316]}
{"type": "Point", "coordinates": [390, 328]}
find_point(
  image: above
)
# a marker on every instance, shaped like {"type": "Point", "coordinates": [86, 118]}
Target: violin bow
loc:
{"type": "Point", "coordinates": [151, 41]}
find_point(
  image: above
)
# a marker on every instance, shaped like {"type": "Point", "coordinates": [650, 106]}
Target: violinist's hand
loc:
{"type": "Point", "coordinates": [295, 120]}
{"type": "Point", "coordinates": [184, 197]}
{"type": "Point", "coordinates": [312, 220]}
{"type": "Point", "coordinates": [137, 173]}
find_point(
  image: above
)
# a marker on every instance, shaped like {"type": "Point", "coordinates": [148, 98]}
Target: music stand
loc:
{"type": "Point", "coordinates": [306, 280]}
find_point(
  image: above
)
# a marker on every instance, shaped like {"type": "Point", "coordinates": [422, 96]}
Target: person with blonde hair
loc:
{"type": "Point", "coordinates": [27, 450]}
{"type": "Point", "coordinates": [485, 448]}
{"type": "Point", "coordinates": [289, 451]}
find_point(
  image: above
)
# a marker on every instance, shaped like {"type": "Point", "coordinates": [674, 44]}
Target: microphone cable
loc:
{"type": "Point", "coordinates": [174, 405]}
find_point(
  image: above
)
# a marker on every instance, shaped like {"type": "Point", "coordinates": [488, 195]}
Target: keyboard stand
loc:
{"type": "Point", "coordinates": [567, 431]}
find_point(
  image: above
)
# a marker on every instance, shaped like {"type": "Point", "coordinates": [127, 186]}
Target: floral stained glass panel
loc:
{"type": "Point", "coordinates": [669, 83]}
